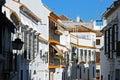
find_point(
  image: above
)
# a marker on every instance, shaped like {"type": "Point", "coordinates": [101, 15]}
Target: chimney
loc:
{"type": "Point", "coordinates": [78, 19]}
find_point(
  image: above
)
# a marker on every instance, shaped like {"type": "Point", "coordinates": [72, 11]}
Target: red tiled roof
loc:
{"type": "Point", "coordinates": [62, 17]}
{"type": "Point", "coordinates": [98, 33]}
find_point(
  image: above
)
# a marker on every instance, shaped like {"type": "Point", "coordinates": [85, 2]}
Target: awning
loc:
{"type": "Point", "coordinates": [14, 17]}
{"type": "Point", "coordinates": [28, 13]}
{"type": "Point", "coordinates": [65, 47]}
{"type": "Point", "coordinates": [58, 45]}
{"type": "Point", "coordinates": [57, 49]}
{"type": "Point", "coordinates": [42, 39]}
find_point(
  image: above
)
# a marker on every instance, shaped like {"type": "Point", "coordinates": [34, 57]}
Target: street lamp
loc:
{"type": "Point", "coordinates": [74, 57]}
{"type": "Point", "coordinates": [17, 44]}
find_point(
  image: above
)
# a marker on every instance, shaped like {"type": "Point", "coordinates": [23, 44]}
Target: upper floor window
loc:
{"type": "Point", "coordinates": [97, 41]}
{"type": "Point", "coordinates": [89, 51]}
{"type": "Point", "coordinates": [97, 57]}
{"type": "Point", "coordinates": [85, 55]}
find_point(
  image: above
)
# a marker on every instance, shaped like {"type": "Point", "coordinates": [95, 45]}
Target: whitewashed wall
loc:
{"type": "Point", "coordinates": [42, 12]}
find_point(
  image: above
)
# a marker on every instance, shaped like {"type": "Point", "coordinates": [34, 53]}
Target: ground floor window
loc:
{"type": "Point", "coordinates": [117, 74]}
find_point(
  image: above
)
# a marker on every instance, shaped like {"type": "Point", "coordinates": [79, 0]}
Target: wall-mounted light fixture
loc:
{"type": "Point", "coordinates": [17, 44]}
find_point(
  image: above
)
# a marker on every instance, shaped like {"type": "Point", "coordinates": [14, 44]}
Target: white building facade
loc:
{"type": "Point", "coordinates": [81, 40]}
{"type": "Point", "coordinates": [30, 63]}
{"type": "Point", "coordinates": [112, 42]}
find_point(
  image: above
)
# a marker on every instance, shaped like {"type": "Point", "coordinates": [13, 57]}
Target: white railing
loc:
{"type": "Point", "coordinates": [79, 41]}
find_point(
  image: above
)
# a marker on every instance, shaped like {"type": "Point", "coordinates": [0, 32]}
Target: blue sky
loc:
{"type": "Point", "coordinates": [86, 9]}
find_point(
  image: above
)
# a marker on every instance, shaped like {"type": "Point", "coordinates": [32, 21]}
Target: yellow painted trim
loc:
{"type": "Point", "coordinates": [82, 46]}
{"type": "Point", "coordinates": [54, 42]}
{"type": "Point", "coordinates": [53, 66]}
{"type": "Point", "coordinates": [51, 18]}
{"type": "Point", "coordinates": [98, 63]}
{"type": "Point", "coordinates": [58, 32]}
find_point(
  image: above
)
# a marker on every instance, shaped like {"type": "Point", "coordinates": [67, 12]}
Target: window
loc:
{"type": "Point", "coordinates": [113, 38]}
{"type": "Point", "coordinates": [32, 45]}
{"type": "Point", "coordinates": [40, 53]}
{"type": "Point", "coordinates": [117, 74]}
{"type": "Point", "coordinates": [105, 42]}
{"type": "Point", "coordinates": [52, 34]}
{"type": "Point", "coordinates": [108, 76]}
{"type": "Point", "coordinates": [118, 49]}
{"type": "Point", "coordinates": [97, 41]}
{"type": "Point", "coordinates": [93, 72]}
{"type": "Point", "coordinates": [29, 48]}
{"type": "Point", "coordinates": [88, 73]}
{"type": "Point", "coordinates": [27, 73]}
{"type": "Point", "coordinates": [89, 55]}
{"type": "Point", "coordinates": [25, 44]}
{"type": "Point", "coordinates": [85, 55]}
{"type": "Point", "coordinates": [97, 57]}
{"type": "Point", "coordinates": [93, 55]}
{"type": "Point", "coordinates": [81, 54]}
{"type": "Point", "coordinates": [108, 43]}
{"type": "Point", "coordinates": [84, 70]}
{"type": "Point", "coordinates": [35, 46]}
{"type": "Point", "coordinates": [80, 72]}
{"type": "Point", "coordinates": [21, 74]}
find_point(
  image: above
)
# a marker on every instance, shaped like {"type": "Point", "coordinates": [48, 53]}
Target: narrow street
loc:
{"type": "Point", "coordinates": [38, 44]}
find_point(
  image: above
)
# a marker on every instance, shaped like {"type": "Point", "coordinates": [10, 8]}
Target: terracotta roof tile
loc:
{"type": "Point", "coordinates": [98, 33]}
{"type": "Point", "coordinates": [62, 17]}
{"type": "Point", "coordinates": [80, 28]}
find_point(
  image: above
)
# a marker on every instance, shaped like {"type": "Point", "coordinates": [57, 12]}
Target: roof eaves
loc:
{"type": "Point", "coordinates": [112, 8]}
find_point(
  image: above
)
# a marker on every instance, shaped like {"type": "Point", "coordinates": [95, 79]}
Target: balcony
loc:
{"type": "Point", "coordinates": [58, 30]}
{"type": "Point", "coordinates": [81, 42]}
{"type": "Point", "coordinates": [57, 61]}
{"type": "Point", "coordinates": [52, 66]}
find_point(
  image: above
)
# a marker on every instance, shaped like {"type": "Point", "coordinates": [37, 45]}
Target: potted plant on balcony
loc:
{"type": "Point", "coordinates": [58, 57]}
